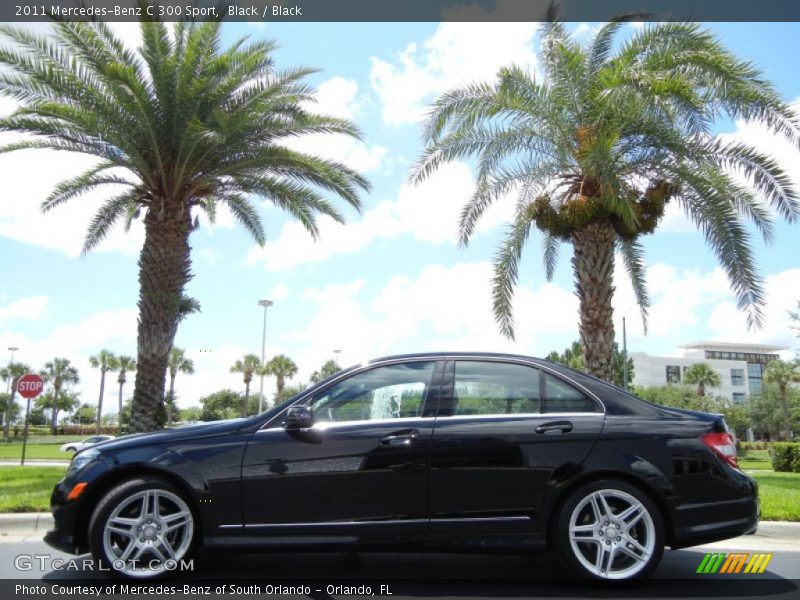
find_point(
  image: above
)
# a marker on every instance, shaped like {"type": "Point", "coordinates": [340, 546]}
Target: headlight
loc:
{"type": "Point", "coordinates": [81, 459]}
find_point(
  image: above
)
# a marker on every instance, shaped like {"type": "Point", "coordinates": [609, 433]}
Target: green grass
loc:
{"type": "Point", "coordinates": [13, 451]}
{"type": "Point", "coordinates": [27, 489]}
{"type": "Point", "coordinates": [780, 495]}
{"type": "Point", "coordinates": [755, 459]}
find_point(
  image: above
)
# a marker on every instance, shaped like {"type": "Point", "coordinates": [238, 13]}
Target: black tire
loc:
{"type": "Point", "coordinates": [568, 552]}
{"type": "Point", "coordinates": [117, 496]}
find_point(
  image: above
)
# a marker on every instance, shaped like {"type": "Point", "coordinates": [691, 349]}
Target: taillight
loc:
{"type": "Point", "coordinates": [723, 445]}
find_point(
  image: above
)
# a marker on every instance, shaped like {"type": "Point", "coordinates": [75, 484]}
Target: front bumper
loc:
{"type": "Point", "coordinates": [66, 515]}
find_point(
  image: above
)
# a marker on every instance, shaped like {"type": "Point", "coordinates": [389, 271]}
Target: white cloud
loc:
{"type": "Point", "coordinates": [77, 341]}
{"type": "Point", "coordinates": [782, 291]}
{"type": "Point", "coordinates": [336, 97]}
{"type": "Point", "coordinates": [454, 55]}
{"type": "Point", "coordinates": [428, 212]}
{"type": "Point", "coordinates": [31, 307]}
{"type": "Point", "coordinates": [279, 292]}
{"type": "Point", "coordinates": [442, 308]}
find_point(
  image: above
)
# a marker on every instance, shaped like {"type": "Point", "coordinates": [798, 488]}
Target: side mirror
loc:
{"type": "Point", "coordinates": [299, 417]}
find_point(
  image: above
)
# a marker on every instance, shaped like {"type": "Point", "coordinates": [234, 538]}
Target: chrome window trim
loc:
{"type": "Point", "coordinates": [523, 416]}
{"type": "Point", "coordinates": [333, 424]}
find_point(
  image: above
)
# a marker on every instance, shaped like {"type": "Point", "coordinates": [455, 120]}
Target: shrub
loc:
{"type": "Point", "coordinates": [785, 456]}
{"type": "Point", "coordinates": [754, 445]}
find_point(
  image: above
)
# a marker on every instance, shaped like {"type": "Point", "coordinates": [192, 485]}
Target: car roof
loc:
{"type": "Point", "coordinates": [461, 353]}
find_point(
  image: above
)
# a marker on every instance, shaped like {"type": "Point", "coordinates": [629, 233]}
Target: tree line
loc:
{"type": "Point", "coordinates": [61, 376]}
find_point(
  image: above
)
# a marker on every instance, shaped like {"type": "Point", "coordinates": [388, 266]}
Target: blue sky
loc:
{"type": "Point", "coordinates": [393, 280]}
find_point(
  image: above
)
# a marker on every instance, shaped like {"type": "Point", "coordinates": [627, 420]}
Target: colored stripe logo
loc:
{"type": "Point", "coordinates": [734, 562]}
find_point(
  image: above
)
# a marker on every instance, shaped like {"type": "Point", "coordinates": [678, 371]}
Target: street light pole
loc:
{"type": "Point", "coordinates": [10, 362]}
{"type": "Point", "coordinates": [266, 304]}
{"type": "Point", "coordinates": [336, 353]}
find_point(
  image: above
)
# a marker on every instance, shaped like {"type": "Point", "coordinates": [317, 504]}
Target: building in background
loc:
{"type": "Point", "coordinates": [740, 366]}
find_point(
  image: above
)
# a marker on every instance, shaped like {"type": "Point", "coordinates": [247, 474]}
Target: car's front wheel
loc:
{"type": "Point", "coordinates": [142, 528]}
{"type": "Point", "coordinates": [610, 530]}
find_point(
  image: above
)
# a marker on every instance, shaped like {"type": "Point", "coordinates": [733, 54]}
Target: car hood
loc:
{"type": "Point", "coordinates": [173, 434]}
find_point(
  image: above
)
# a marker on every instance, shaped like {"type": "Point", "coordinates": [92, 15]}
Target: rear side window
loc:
{"type": "Point", "coordinates": [494, 388]}
{"type": "Point", "coordinates": [560, 397]}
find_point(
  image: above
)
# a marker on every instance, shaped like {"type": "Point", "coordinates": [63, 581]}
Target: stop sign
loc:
{"type": "Point", "coordinates": [30, 385]}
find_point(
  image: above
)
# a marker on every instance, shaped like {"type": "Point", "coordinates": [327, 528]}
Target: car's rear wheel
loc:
{"type": "Point", "coordinates": [610, 530]}
{"type": "Point", "coordinates": [142, 528]}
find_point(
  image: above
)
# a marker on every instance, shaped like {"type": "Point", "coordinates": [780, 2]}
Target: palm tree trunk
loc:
{"type": "Point", "coordinates": [100, 398]}
{"type": "Point", "coordinates": [7, 418]}
{"type": "Point", "coordinates": [593, 269]}
{"type": "Point", "coordinates": [119, 414]}
{"type": "Point", "coordinates": [246, 398]}
{"type": "Point", "coordinates": [701, 389]}
{"type": "Point", "coordinates": [171, 399]}
{"type": "Point", "coordinates": [164, 270]}
{"type": "Point", "coordinates": [54, 415]}
{"type": "Point", "coordinates": [280, 383]}
{"type": "Point", "coordinates": [785, 408]}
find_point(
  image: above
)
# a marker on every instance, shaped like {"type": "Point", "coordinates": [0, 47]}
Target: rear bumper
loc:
{"type": "Point", "coordinates": [716, 521]}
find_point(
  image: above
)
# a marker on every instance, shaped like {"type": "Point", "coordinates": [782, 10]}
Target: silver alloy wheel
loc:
{"type": "Point", "coordinates": [612, 534]}
{"type": "Point", "coordinates": [147, 533]}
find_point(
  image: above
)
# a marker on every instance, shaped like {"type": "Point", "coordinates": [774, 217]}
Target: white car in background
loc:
{"type": "Point", "coordinates": [78, 446]}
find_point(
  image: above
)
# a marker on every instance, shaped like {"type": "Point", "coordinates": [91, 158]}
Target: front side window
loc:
{"type": "Point", "coordinates": [494, 388]}
{"type": "Point", "coordinates": [390, 392]}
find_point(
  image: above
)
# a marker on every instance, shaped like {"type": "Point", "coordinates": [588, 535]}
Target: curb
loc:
{"type": "Point", "coordinates": [25, 522]}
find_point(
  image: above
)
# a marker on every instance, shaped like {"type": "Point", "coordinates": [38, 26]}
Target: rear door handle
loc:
{"type": "Point", "coordinates": [554, 427]}
{"type": "Point", "coordinates": [400, 438]}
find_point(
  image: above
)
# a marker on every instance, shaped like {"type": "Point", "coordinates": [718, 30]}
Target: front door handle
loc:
{"type": "Point", "coordinates": [400, 438]}
{"type": "Point", "coordinates": [554, 427]}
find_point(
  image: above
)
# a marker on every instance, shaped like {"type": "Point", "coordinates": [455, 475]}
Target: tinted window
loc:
{"type": "Point", "coordinates": [560, 397]}
{"type": "Point", "coordinates": [494, 388]}
{"type": "Point", "coordinates": [390, 392]}
{"type": "Point", "coordinates": [91, 440]}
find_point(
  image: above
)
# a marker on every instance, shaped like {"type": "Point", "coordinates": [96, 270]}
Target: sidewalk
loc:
{"type": "Point", "coordinates": [34, 462]}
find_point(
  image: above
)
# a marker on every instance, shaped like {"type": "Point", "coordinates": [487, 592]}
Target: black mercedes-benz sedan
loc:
{"type": "Point", "coordinates": [419, 451]}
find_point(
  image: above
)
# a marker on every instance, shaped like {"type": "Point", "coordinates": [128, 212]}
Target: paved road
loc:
{"type": "Point", "coordinates": [461, 575]}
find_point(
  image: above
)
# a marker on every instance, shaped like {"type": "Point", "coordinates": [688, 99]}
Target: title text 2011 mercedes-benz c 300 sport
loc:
{"type": "Point", "coordinates": [420, 451]}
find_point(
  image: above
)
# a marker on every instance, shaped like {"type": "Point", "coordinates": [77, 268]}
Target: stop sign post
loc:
{"type": "Point", "coordinates": [29, 386]}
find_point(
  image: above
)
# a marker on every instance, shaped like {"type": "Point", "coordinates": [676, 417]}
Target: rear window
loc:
{"type": "Point", "coordinates": [560, 397]}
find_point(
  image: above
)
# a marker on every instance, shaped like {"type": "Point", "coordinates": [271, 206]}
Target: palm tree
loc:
{"type": "Point", "coordinates": [180, 126]}
{"type": "Point", "coordinates": [595, 151]}
{"type": "Point", "coordinates": [177, 363]}
{"type": "Point", "coordinates": [67, 400]}
{"type": "Point", "coordinates": [60, 373]}
{"type": "Point", "coordinates": [125, 364]}
{"type": "Point", "coordinates": [12, 372]}
{"type": "Point", "coordinates": [782, 374]}
{"type": "Point", "coordinates": [701, 375]}
{"type": "Point", "coordinates": [326, 370]}
{"type": "Point", "coordinates": [283, 368]}
{"type": "Point", "coordinates": [105, 361]}
{"type": "Point", "coordinates": [248, 366]}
